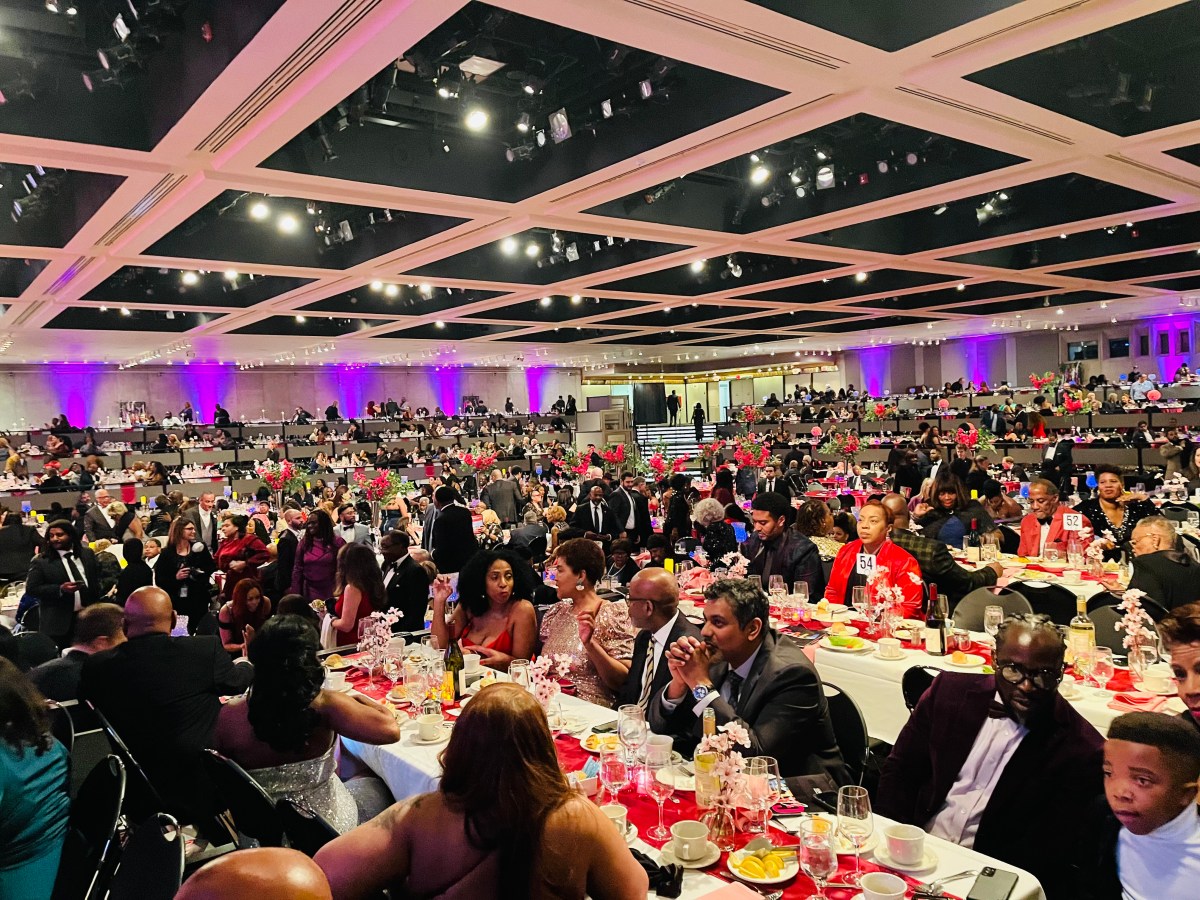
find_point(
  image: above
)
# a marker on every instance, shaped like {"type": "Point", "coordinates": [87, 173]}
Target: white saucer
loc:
{"type": "Point", "coordinates": [900, 658]}
{"type": "Point", "coordinates": [668, 856]}
{"type": "Point", "coordinates": [631, 833]}
{"type": "Point", "coordinates": [973, 661]}
{"type": "Point", "coordinates": [444, 736]}
{"type": "Point", "coordinates": [344, 689]}
{"type": "Point", "coordinates": [927, 864]}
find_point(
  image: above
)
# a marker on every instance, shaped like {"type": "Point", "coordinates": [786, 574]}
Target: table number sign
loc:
{"type": "Point", "coordinates": [1072, 521]}
{"type": "Point", "coordinates": [866, 564]}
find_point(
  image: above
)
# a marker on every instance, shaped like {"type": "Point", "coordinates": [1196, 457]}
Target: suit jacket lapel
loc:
{"type": "Point", "coordinates": [751, 683]}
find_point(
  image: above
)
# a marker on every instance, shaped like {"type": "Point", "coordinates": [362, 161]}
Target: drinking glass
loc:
{"type": "Point", "coordinates": [1082, 664]}
{"type": "Point", "coordinates": [858, 599]}
{"type": "Point", "coordinates": [633, 732]}
{"type": "Point", "coordinates": [818, 858]}
{"type": "Point", "coordinates": [1051, 554]}
{"type": "Point", "coordinates": [518, 671]}
{"type": "Point", "coordinates": [1103, 667]}
{"type": "Point", "coordinates": [855, 823]}
{"type": "Point", "coordinates": [993, 616]}
{"type": "Point", "coordinates": [1140, 657]}
{"type": "Point", "coordinates": [614, 773]}
{"type": "Point", "coordinates": [800, 591]}
{"type": "Point", "coordinates": [774, 785]}
{"type": "Point", "coordinates": [660, 784]}
{"type": "Point", "coordinates": [415, 683]}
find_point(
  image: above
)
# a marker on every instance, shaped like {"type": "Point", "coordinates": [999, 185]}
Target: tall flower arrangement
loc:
{"type": "Point", "coordinates": [1041, 381]}
{"type": "Point", "coordinates": [616, 454]}
{"type": "Point", "coordinates": [1136, 622]}
{"type": "Point", "coordinates": [748, 414]}
{"type": "Point", "coordinates": [975, 439]}
{"type": "Point", "coordinates": [280, 476]}
{"type": "Point", "coordinates": [383, 487]}
{"type": "Point", "coordinates": [663, 466]}
{"type": "Point", "coordinates": [878, 411]}
{"type": "Point", "coordinates": [844, 444]}
{"type": "Point", "coordinates": [480, 461]}
{"type": "Point", "coordinates": [710, 452]}
{"type": "Point", "coordinates": [751, 451]}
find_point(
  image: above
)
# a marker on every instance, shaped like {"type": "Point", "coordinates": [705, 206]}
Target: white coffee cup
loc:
{"type": "Point", "coordinates": [1157, 679]}
{"type": "Point", "coordinates": [905, 844]}
{"type": "Point", "coordinates": [882, 886]}
{"type": "Point", "coordinates": [429, 726]}
{"type": "Point", "coordinates": [890, 648]}
{"type": "Point", "coordinates": [615, 813]}
{"type": "Point", "coordinates": [471, 662]}
{"type": "Point", "coordinates": [1072, 576]}
{"type": "Point", "coordinates": [691, 839]}
{"type": "Point", "coordinates": [334, 681]}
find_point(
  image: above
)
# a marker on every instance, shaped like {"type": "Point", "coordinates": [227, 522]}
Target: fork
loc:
{"type": "Point", "coordinates": [935, 886]}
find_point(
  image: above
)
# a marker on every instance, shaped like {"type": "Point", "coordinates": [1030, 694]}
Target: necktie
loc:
{"type": "Point", "coordinates": [74, 572]}
{"type": "Point", "coordinates": [596, 516]}
{"type": "Point", "coordinates": [734, 680]}
{"type": "Point", "coordinates": [770, 485]}
{"type": "Point", "coordinates": [648, 672]}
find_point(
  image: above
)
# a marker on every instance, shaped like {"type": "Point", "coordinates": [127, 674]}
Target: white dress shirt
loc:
{"type": "Point", "coordinates": [1043, 534]}
{"type": "Point", "coordinates": [629, 519]}
{"type": "Point", "coordinates": [75, 572]}
{"type": "Point", "coordinates": [958, 819]}
{"type": "Point", "coordinates": [723, 692]}
{"type": "Point", "coordinates": [1162, 863]}
{"type": "Point", "coordinates": [658, 643]}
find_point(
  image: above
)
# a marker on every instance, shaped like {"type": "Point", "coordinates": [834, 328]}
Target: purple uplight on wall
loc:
{"type": "Point", "coordinates": [536, 378]}
{"type": "Point", "coordinates": [447, 388]}
{"type": "Point", "coordinates": [205, 386]}
{"type": "Point", "coordinates": [349, 385]}
{"type": "Point", "coordinates": [876, 369]}
{"type": "Point", "coordinates": [76, 391]}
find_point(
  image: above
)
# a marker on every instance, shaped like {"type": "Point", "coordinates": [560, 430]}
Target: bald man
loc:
{"type": "Point", "coordinates": [264, 873]}
{"type": "Point", "coordinates": [96, 522]}
{"type": "Point", "coordinates": [162, 695]}
{"type": "Point", "coordinates": [654, 609]}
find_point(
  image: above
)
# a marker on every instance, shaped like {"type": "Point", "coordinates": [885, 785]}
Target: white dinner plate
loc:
{"type": "Point", "coordinates": [596, 749]}
{"type": "Point", "coordinates": [679, 778]}
{"type": "Point", "coordinates": [900, 658]}
{"type": "Point", "coordinates": [927, 864]}
{"type": "Point", "coordinates": [972, 661]}
{"type": "Point", "coordinates": [859, 648]}
{"type": "Point", "coordinates": [1056, 566]}
{"type": "Point", "coordinates": [790, 869]}
{"type": "Point", "coordinates": [846, 631]}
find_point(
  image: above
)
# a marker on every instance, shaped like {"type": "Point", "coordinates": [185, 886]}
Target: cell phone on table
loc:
{"type": "Point", "coordinates": [788, 808]}
{"type": "Point", "coordinates": [993, 884]}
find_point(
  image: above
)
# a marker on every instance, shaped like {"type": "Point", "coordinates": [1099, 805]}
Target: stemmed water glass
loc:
{"type": "Point", "coordinates": [993, 616]}
{"type": "Point", "coordinates": [660, 784]}
{"type": "Point", "coordinates": [858, 599]}
{"type": "Point", "coordinates": [1103, 666]}
{"type": "Point", "coordinates": [632, 731]}
{"type": "Point", "coordinates": [818, 857]}
{"type": "Point", "coordinates": [855, 823]}
{"type": "Point", "coordinates": [614, 773]}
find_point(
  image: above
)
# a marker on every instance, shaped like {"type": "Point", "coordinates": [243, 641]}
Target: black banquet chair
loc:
{"type": "Point", "coordinates": [251, 808]}
{"type": "Point", "coordinates": [89, 852]}
{"type": "Point", "coordinates": [305, 828]}
{"type": "Point", "coordinates": [151, 864]}
{"type": "Point", "coordinates": [850, 730]}
{"type": "Point", "coordinates": [915, 682]}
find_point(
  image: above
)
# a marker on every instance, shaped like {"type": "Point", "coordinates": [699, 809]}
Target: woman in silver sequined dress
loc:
{"type": "Point", "coordinates": [597, 634]}
{"type": "Point", "coordinates": [285, 732]}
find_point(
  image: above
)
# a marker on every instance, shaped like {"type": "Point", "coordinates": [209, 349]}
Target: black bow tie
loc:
{"type": "Point", "coordinates": [997, 710]}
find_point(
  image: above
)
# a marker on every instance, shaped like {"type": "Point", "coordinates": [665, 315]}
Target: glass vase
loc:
{"type": "Point", "coordinates": [721, 825]}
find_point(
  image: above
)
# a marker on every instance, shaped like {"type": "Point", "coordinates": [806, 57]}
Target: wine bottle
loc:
{"type": "Point", "coordinates": [1081, 634]}
{"type": "Point", "coordinates": [935, 624]}
{"type": "Point", "coordinates": [454, 665]}
{"type": "Point", "coordinates": [974, 542]}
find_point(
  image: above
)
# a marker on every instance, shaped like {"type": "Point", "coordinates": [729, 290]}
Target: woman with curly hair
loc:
{"type": "Point", "coordinates": [284, 733]}
{"type": "Point", "coordinates": [242, 616]}
{"type": "Point", "coordinates": [494, 616]}
{"type": "Point", "coordinates": [815, 521]}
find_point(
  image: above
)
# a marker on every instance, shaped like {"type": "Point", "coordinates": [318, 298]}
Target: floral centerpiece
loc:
{"type": "Point", "coordinates": [1041, 381]}
{"type": "Point", "coordinates": [723, 768]}
{"type": "Point", "coordinates": [1137, 625]}
{"type": "Point", "coordinates": [735, 564]}
{"type": "Point", "coordinates": [975, 439]}
{"type": "Point", "coordinates": [663, 466]}
{"type": "Point", "coordinates": [544, 674]}
{"type": "Point", "coordinates": [877, 411]}
{"type": "Point", "coordinates": [844, 444]}
{"type": "Point", "coordinates": [748, 414]}
{"type": "Point", "coordinates": [710, 452]}
{"type": "Point", "coordinates": [376, 633]}
{"type": "Point", "coordinates": [886, 597]}
{"type": "Point", "coordinates": [572, 463]}
{"type": "Point", "coordinates": [383, 487]}
{"type": "Point", "coordinates": [280, 476]}
{"type": "Point", "coordinates": [616, 454]}
{"type": "Point", "coordinates": [480, 461]}
{"type": "Point", "coordinates": [751, 451]}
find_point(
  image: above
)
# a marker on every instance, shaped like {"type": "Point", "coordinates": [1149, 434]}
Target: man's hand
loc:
{"type": "Point", "coordinates": [695, 670]}
{"type": "Point", "coordinates": [69, 587]}
{"type": "Point", "coordinates": [997, 568]}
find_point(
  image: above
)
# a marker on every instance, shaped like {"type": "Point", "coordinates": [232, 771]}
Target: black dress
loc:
{"type": "Point", "coordinates": [1135, 511]}
{"type": "Point", "coordinates": [190, 597]}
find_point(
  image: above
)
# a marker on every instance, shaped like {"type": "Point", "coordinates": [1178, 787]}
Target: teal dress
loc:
{"type": "Point", "coordinates": [34, 808]}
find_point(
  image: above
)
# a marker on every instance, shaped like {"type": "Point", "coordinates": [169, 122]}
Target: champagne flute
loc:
{"type": "Point", "coordinates": [858, 599]}
{"type": "Point", "coordinates": [614, 773]}
{"type": "Point", "coordinates": [855, 823]}
{"type": "Point", "coordinates": [660, 784]}
{"type": "Point", "coordinates": [774, 786]}
{"type": "Point", "coordinates": [817, 855]}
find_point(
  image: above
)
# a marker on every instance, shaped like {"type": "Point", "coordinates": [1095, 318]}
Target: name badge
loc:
{"type": "Point", "coordinates": [866, 564]}
{"type": "Point", "coordinates": [1072, 521]}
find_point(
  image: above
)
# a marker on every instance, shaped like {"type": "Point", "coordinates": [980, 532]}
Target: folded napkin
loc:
{"type": "Point", "coordinates": [666, 881]}
{"type": "Point", "coordinates": [1137, 703]}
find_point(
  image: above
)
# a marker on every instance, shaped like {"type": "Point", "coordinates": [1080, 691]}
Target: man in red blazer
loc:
{"type": "Point", "coordinates": [1043, 527]}
{"type": "Point", "coordinates": [1000, 763]}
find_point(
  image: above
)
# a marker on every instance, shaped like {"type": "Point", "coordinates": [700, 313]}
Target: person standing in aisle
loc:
{"type": "Point", "coordinates": [698, 418]}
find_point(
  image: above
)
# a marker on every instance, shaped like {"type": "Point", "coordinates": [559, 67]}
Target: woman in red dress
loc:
{"type": "Point", "coordinates": [874, 522]}
{"type": "Point", "coordinates": [239, 554]}
{"type": "Point", "coordinates": [494, 616]}
{"type": "Point", "coordinates": [359, 590]}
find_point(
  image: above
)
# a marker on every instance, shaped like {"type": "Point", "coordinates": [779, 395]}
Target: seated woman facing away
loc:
{"type": "Point", "coordinates": [284, 733]}
{"type": "Point", "coordinates": [503, 823]}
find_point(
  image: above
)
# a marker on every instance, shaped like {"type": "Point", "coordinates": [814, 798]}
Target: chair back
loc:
{"type": "Point", "coordinates": [1010, 539]}
{"type": "Point", "coordinates": [915, 682]}
{"type": "Point", "coordinates": [251, 808]}
{"type": "Point", "coordinates": [61, 726]}
{"type": "Point", "coordinates": [151, 865]}
{"type": "Point", "coordinates": [89, 850]}
{"type": "Point", "coordinates": [849, 728]}
{"type": "Point", "coordinates": [1053, 600]}
{"type": "Point", "coordinates": [142, 798]}
{"type": "Point", "coordinates": [1175, 513]}
{"type": "Point", "coordinates": [969, 611]}
{"type": "Point", "coordinates": [305, 828]}
{"type": "Point", "coordinates": [1105, 618]}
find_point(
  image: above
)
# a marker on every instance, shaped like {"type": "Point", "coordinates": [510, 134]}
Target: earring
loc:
{"type": "Point", "coordinates": [579, 585]}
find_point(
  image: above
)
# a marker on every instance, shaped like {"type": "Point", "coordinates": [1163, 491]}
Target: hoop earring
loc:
{"type": "Point", "coordinates": [579, 585]}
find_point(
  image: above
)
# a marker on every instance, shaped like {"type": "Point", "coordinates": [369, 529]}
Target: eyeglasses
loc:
{"type": "Point", "coordinates": [1015, 673]}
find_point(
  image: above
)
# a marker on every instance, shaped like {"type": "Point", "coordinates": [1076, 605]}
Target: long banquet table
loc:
{"type": "Point", "coordinates": [409, 768]}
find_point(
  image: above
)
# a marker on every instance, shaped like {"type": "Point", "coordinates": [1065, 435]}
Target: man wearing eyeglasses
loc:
{"type": "Point", "coordinates": [1165, 573]}
{"type": "Point", "coordinates": [999, 763]}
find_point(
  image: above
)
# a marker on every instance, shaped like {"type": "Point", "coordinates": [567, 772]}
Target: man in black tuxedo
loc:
{"type": "Point", "coordinates": [748, 674]}
{"type": "Point", "coordinates": [162, 696]}
{"type": "Point", "coordinates": [631, 511]}
{"type": "Point", "coordinates": [285, 550]}
{"type": "Point", "coordinates": [64, 580]}
{"type": "Point", "coordinates": [204, 517]}
{"type": "Point", "coordinates": [406, 582]}
{"type": "Point", "coordinates": [772, 482]}
{"type": "Point", "coordinates": [654, 609]}
{"type": "Point", "coordinates": [596, 517]}
{"type": "Point", "coordinates": [97, 627]}
{"type": "Point", "coordinates": [453, 535]}
{"type": "Point", "coordinates": [981, 753]}
{"type": "Point", "coordinates": [1058, 462]}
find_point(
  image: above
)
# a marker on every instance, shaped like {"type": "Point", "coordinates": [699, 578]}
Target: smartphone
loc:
{"type": "Point", "coordinates": [331, 605]}
{"type": "Point", "coordinates": [993, 884]}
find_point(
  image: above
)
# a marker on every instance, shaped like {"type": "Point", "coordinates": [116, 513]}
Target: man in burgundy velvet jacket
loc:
{"type": "Point", "coordinates": [1000, 763]}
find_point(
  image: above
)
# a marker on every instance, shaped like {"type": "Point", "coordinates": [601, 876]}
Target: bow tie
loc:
{"type": "Point", "coordinates": [998, 710]}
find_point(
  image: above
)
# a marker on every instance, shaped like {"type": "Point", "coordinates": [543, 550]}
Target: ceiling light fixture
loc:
{"type": "Point", "coordinates": [190, 278]}
{"type": "Point", "coordinates": [259, 211]}
{"type": "Point", "coordinates": [760, 174]}
{"type": "Point", "coordinates": [288, 224]}
{"type": "Point", "coordinates": [698, 266]}
{"type": "Point", "coordinates": [532, 249]}
{"type": "Point", "coordinates": [941, 208]}
{"type": "Point", "coordinates": [392, 290]}
{"type": "Point", "coordinates": [523, 122]}
{"type": "Point", "coordinates": [377, 286]}
{"type": "Point", "coordinates": [508, 246]}
{"type": "Point", "coordinates": [231, 275]}
{"type": "Point", "coordinates": [476, 119]}
{"type": "Point", "coordinates": [825, 177]}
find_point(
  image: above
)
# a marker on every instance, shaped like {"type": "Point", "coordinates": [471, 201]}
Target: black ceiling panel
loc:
{"type": "Point", "coordinates": [311, 327]}
{"type": "Point", "coordinates": [683, 315]}
{"type": "Point", "coordinates": [18, 274]}
{"type": "Point", "coordinates": [1146, 267]}
{"type": "Point", "coordinates": [1038, 204]}
{"type": "Point", "coordinates": [866, 325]}
{"type": "Point", "coordinates": [567, 334]}
{"type": "Point", "coordinates": [556, 308]}
{"type": "Point", "coordinates": [45, 207]}
{"type": "Point", "coordinates": [89, 318]}
{"type": "Point", "coordinates": [869, 159]}
{"type": "Point", "coordinates": [406, 134]}
{"type": "Point", "coordinates": [397, 299]}
{"type": "Point", "coordinates": [693, 279]}
{"type": "Point", "coordinates": [791, 319]}
{"type": "Point", "coordinates": [1187, 154]}
{"type": "Point", "coordinates": [1134, 77]}
{"type": "Point", "coordinates": [325, 235]}
{"type": "Point", "coordinates": [844, 286]}
{"type": "Point", "coordinates": [190, 287]}
{"type": "Point", "coordinates": [669, 336]}
{"type": "Point", "coordinates": [1035, 304]}
{"type": "Point", "coordinates": [543, 256]}
{"type": "Point", "coordinates": [449, 331]}
{"type": "Point", "coordinates": [955, 294]}
{"type": "Point", "coordinates": [1165, 231]}
{"type": "Point", "coordinates": [1188, 283]}
{"type": "Point", "coordinates": [886, 24]}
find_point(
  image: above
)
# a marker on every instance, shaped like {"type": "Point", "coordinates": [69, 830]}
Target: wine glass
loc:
{"type": "Point", "coordinates": [660, 783]}
{"type": "Point", "coordinates": [855, 823]}
{"type": "Point", "coordinates": [632, 730]}
{"type": "Point", "coordinates": [800, 592]}
{"type": "Point", "coordinates": [518, 672]}
{"type": "Point", "coordinates": [1140, 657]}
{"type": "Point", "coordinates": [1082, 664]}
{"type": "Point", "coordinates": [993, 616]}
{"type": "Point", "coordinates": [774, 785]}
{"type": "Point", "coordinates": [1103, 667]}
{"type": "Point", "coordinates": [858, 599]}
{"type": "Point", "coordinates": [1051, 554]}
{"type": "Point", "coordinates": [817, 855]}
{"type": "Point", "coordinates": [614, 773]}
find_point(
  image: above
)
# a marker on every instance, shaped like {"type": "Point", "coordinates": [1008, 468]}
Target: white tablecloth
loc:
{"type": "Point", "coordinates": [410, 769]}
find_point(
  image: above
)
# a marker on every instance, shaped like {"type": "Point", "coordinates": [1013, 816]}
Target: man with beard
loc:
{"type": "Point", "coordinates": [753, 677]}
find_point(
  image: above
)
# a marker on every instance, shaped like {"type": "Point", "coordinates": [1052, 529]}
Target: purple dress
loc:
{"type": "Point", "coordinates": [315, 570]}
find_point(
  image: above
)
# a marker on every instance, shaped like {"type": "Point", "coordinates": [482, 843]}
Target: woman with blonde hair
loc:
{"type": "Point", "coordinates": [491, 535]}
{"type": "Point", "coordinates": [126, 524]}
{"type": "Point", "coordinates": [503, 823]}
{"type": "Point", "coordinates": [556, 521]}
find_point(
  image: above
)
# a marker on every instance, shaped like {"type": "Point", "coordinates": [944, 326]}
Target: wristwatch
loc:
{"type": "Point", "coordinates": [701, 691]}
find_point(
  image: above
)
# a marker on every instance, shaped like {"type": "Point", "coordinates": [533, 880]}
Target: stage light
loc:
{"type": "Point", "coordinates": [801, 191]}
{"type": "Point", "coordinates": [259, 211]}
{"type": "Point", "coordinates": [476, 119]}
{"type": "Point", "coordinates": [392, 290]}
{"type": "Point", "coordinates": [760, 174]}
{"type": "Point", "coordinates": [425, 290]}
{"type": "Point", "coordinates": [523, 122]}
{"type": "Point", "coordinates": [824, 177]}
{"type": "Point", "coordinates": [190, 278]}
{"type": "Point", "coordinates": [606, 109]}
{"type": "Point", "coordinates": [125, 311]}
{"type": "Point", "coordinates": [377, 286]}
{"type": "Point", "coordinates": [734, 269]}
{"type": "Point", "coordinates": [288, 224]}
{"type": "Point", "coordinates": [698, 266]}
{"type": "Point", "coordinates": [882, 166]}
{"type": "Point", "coordinates": [532, 250]}
{"type": "Point", "coordinates": [645, 89]}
